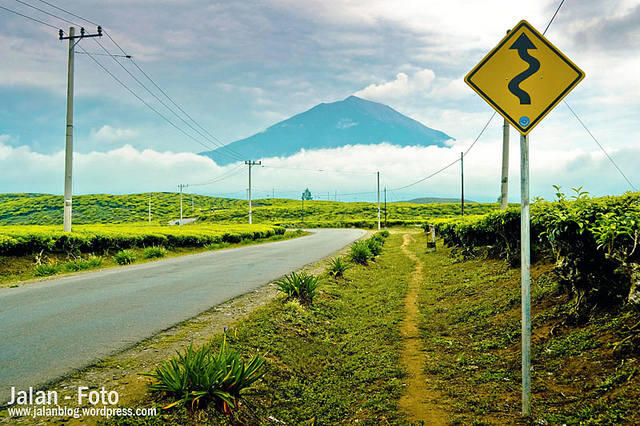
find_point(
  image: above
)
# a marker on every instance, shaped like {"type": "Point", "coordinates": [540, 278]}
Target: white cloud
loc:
{"type": "Point", "coordinates": [108, 133]}
{"type": "Point", "coordinates": [346, 170]}
{"type": "Point", "coordinates": [400, 87]}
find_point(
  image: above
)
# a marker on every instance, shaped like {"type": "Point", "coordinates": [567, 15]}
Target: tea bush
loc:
{"type": "Point", "coordinates": [593, 241]}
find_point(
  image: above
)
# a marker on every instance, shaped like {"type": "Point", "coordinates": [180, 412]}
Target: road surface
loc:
{"type": "Point", "coordinates": [52, 328]}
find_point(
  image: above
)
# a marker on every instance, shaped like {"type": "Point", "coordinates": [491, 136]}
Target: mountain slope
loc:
{"type": "Point", "coordinates": [348, 122]}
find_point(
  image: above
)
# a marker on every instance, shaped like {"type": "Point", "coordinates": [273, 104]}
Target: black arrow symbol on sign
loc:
{"type": "Point", "coordinates": [522, 45]}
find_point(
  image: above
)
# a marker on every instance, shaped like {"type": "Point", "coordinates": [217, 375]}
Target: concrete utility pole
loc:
{"type": "Point", "coordinates": [385, 207]}
{"type": "Point", "coordinates": [462, 181]}
{"type": "Point", "coordinates": [251, 164]}
{"type": "Point", "coordinates": [68, 156]}
{"type": "Point", "coordinates": [378, 174]}
{"type": "Point", "coordinates": [181, 187]}
{"type": "Point", "coordinates": [149, 208]}
{"type": "Point", "coordinates": [504, 182]}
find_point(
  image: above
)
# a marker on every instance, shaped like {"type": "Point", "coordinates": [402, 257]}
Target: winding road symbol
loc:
{"type": "Point", "coordinates": [522, 45]}
{"type": "Point", "coordinates": [510, 77]}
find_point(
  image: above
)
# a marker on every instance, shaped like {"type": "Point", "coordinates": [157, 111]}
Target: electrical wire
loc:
{"type": "Point", "coordinates": [601, 147]}
{"type": "Point", "coordinates": [67, 12]}
{"type": "Point", "coordinates": [218, 144]}
{"type": "Point", "coordinates": [45, 12]}
{"type": "Point", "coordinates": [226, 175]}
{"type": "Point", "coordinates": [553, 17]}
{"type": "Point", "coordinates": [157, 98]}
{"type": "Point", "coordinates": [142, 100]}
{"type": "Point", "coordinates": [30, 17]}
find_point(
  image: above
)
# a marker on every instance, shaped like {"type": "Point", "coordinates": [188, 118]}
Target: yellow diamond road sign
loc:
{"type": "Point", "coordinates": [524, 77]}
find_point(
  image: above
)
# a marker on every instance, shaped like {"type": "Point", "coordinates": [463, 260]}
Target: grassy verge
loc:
{"type": "Point", "coordinates": [334, 362]}
{"type": "Point", "coordinates": [471, 328]}
{"type": "Point", "coordinates": [16, 270]}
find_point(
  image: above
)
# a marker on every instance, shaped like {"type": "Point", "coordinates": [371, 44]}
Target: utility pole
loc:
{"type": "Point", "coordinates": [378, 175]}
{"type": "Point", "coordinates": [302, 198]}
{"type": "Point", "coordinates": [335, 193]}
{"type": "Point", "coordinates": [385, 207]}
{"type": "Point", "coordinates": [181, 187]}
{"type": "Point", "coordinates": [149, 208]}
{"type": "Point", "coordinates": [193, 210]}
{"type": "Point", "coordinates": [68, 156]}
{"type": "Point", "coordinates": [251, 164]}
{"type": "Point", "coordinates": [504, 181]}
{"type": "Point", "coordinates": [462, 181]}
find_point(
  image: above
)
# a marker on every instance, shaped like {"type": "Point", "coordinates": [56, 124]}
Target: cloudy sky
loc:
{"type": "Point", "coordinates": [239, 67]}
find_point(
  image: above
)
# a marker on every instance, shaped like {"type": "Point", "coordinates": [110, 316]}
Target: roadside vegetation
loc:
{"type": "Point", "coordinates": [15, 268]}
{"type": "Point", "coordinates": [334, 360]}
{"type": "Point", "coordinates": [586, 313]}
{"type": "Point", "coordinates": [43, 209]}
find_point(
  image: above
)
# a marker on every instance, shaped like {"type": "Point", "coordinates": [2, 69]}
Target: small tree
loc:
{"type": "Point", "coordinates": [306, 195]}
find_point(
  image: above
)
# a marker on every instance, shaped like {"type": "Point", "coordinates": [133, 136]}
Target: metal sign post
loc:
{"type": "Point", "coordinates": [525, 268]}
{"type": "Point", "coordinates": [524, 96]}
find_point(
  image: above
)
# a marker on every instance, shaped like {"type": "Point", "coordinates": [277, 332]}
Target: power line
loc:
{"type": "Point", "coordinates": [225, 150]}
{"type": "Point", "coordinates": [67, 12]}
{"type": "Point", "coordinates": [219, 142]}
{"type": "Point", "coordinates": [601, 147]}
{"type": "Point", "coordinates": [226, 175]}
{"type": "Point", "coordinates": [553, 17]}
{"type": "Point", "coordinates": [142, 100]}
{"type": "Point", "coordinates": [155, 96]}
{"type": "Point", "coordinates": [30, 17]}
{"type": "Point", "coordinates": [46, 13]}
{"type": "Point", "coordinates": [320, 170]}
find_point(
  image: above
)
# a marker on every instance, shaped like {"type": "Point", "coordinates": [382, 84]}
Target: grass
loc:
{"type": "Point", "coordinates": [19, 269]}
{"type": "Point", "coordinates": [470, 325]}
{"type": "Point", "coordinates": [334, 362]}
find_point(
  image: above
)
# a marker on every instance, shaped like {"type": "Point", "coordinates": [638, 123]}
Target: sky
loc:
{"type": "Point", "coordinates": [239, 67]}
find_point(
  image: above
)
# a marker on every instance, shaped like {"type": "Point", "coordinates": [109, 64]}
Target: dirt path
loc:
{"type": "Point", "coordinates": [419, 401]}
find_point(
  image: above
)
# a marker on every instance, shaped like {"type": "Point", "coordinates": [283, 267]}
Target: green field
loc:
{"type": "Point", "coordinates": [42, 209]}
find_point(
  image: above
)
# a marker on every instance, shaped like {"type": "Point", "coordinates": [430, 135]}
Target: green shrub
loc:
{"type": "Point", "coordinates": [154, 252]}
{"type": "Point", "coordinates": [338, 266]}
{"type": "Point", "coordinates": [200, 376]}
{"type": "Point", "coordinates": [384, 234]}
{"type": "Point", "coordinates": [301, 286]}
{"type": "Point", "coordinates": [124, 257]}
{"type": "Point", "coordinates": [82, 264]}
{"type": "Point", "coordinates": [360, 252]}
{"type": "Point", "coordinates": [375, 247]}
{"type": "Point", "coordinates": [592, 240]}
{"type": "Point", "coordinates": [46, 269]}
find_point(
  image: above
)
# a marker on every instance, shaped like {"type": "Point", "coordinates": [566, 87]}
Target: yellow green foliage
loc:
{"type": "Point", "coordinates": [42, 209]}
{"type": "Point", "coordinates": [21, 240]}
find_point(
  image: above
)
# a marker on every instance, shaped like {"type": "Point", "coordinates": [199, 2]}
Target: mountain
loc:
{"type": "Point", "coordinates": [347, 122]}
{"type": "Point", "coordinates": [429, 200]}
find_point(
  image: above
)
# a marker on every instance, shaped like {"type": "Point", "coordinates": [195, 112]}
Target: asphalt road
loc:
{"type": "Point", "coordinates": [52, 328]}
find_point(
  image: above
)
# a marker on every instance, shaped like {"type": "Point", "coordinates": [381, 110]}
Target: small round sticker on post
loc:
{"type": "Point", "coordinates": [524, 121]}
